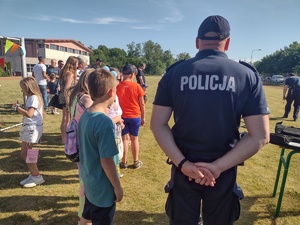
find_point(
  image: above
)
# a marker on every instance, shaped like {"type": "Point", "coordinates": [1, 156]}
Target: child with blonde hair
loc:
{"type": "Point", "coordinates": [79, 99]}
{"type": "Point", "coordinates": [32, 128]}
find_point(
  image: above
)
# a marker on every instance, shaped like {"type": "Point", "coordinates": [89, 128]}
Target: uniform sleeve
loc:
{"type": "Point", "coordinates": [256, 103]}
{"type": "Point", "coordinates": [163, 96]}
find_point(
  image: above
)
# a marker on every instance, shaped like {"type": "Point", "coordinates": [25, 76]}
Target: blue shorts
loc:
{"type": "Point", "coordinates": [98, 215]}
{"type": "Point", "coordinates": [132, 126]}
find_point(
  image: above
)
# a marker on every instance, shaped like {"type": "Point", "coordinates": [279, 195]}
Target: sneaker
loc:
{"type": "Point", "coordinates": [25, 180]}
{"type": "Point", "coordinates": [137, 164]}
{"type": "Point", "coordinates": [123, 165]}
{"type": "Point", "coordinates": [33, 181]}
{"type": "Point", "coordinates": [56, 113]}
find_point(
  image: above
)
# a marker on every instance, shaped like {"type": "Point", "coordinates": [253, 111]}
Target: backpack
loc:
{"type": "Point", "coordinates": [286, 136]}
{"type": "Point", "coordinates": [72, 145]}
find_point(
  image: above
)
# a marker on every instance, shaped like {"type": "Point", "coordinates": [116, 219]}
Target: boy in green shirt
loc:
{"type": "Point", "coordinates": [98, 152]}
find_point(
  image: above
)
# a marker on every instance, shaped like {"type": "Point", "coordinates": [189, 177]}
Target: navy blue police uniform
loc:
{"type": "Point", "coordinates": [141, 74]}
{"type": "Point", "coordinates": [293, 95]}
{"type": "Point", "coordinates": [208, 95]}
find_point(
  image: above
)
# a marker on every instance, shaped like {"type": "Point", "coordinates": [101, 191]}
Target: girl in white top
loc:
{"type": "Point", "coordinates": [32, 128]}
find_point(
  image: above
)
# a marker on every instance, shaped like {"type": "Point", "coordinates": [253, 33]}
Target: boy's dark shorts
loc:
{"type": "Point", "coordinates": [98, 215]}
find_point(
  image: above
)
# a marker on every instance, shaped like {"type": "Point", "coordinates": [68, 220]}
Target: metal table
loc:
{"type": "Point", "coordinates": [285, 162]}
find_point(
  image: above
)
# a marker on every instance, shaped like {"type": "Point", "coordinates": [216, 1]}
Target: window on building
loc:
{"type": "Point", "coordinates": [77, 51]}
{"type": "Point", "coordinates": [62, 48]}
{"type": "Point", "coordinates": [29, 67]}
{"type": "Point", "coordinates": [71, 50]}
{"type": "Point", "coordinates": [84, 53]}
{"type": "Point", "coordinates": [54, 47]}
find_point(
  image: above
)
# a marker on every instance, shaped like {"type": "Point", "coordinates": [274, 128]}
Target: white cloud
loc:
{"type": "Point", "coordinates": [103, 20]}
{"type": "Point", "coordinates": [151, 27]}
{"type": "Point", "coordinates": [173, 13]}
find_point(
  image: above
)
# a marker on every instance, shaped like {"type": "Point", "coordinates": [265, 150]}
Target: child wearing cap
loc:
{"type": "Point", "coordinates": [131, 97]}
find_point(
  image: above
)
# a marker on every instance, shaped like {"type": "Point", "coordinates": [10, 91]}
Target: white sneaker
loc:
{"type": "Point", "coordinates": [25, 180]}
{"type": "Point", "coordinates": [33, 181]}
{"type": "Point", "coordinates": [56, 112]}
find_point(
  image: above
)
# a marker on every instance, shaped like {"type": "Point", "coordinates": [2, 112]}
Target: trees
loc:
{"type": "Point", "coordinates": [283, 61]}
{"type": "Point", "coordinates": [150, 53]}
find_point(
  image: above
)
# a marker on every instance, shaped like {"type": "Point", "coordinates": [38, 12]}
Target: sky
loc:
{"type": "Point", "coordinates": [269, 25]}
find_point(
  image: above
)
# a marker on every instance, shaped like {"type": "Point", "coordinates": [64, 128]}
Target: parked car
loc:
{"type": "Point", "coordinates": [278, 79]}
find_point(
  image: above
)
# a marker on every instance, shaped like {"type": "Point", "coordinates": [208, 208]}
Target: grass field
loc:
{"type": "Point", "coordinates": [56, 201]}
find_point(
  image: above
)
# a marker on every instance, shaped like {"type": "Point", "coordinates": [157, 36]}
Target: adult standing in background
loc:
{"type": "Point", "coordinates": [291, 93]}
{"type": "Point", "coordinates": [67, 78]}
{"type": "Point", "coordinates": [39, 73]}
{"type": "Point", "coordinates": [98, 63]}
{"type": "Point", "coordinates": [140, 78]}
{"type": "Point", "coordinates": [60, 64]}
{"type": "Point", "coordinates": [53, 69]}
{"type": "Point", "coordinates": [207, 147]}
{"type": "Point", "coordinates": [82, 65]}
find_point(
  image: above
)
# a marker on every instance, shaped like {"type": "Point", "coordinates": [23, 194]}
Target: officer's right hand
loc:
{"type": "Point", "coordinates": [201, 175]}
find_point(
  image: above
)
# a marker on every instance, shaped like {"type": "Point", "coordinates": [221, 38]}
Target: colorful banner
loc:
{"type": "Point", "coordinates": [14, 48]}
{"type": "Point", "coordinates": [2, 62]}
{"type": "Point", "coordinates": [8, 45]}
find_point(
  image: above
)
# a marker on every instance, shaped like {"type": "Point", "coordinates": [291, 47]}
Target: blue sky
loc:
{"type": "Point", "coordinates": [269, 25]}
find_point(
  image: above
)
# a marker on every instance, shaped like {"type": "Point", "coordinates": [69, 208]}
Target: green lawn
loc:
{"type": "Point", "coordinates": [56, 201]}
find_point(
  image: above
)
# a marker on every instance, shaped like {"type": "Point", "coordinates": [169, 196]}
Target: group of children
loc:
{"type": "Point", "coordinates": [94, 101]}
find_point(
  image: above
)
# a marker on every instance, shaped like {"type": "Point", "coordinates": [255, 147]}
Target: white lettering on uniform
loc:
{"type": "Point", "coordinates": [231, 84]}
{"type": "Point", "coordinates": [192, 82]}
{"type": "Point", "coordinates": [213, 85]}
{"type": "Point", "coordinates": [184, 81]}
{"type": "Point", "coordinates": [207, 82]}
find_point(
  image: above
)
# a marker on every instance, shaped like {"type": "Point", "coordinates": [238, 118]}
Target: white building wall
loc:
{"type": "Point", "coordinates": [55, 54]}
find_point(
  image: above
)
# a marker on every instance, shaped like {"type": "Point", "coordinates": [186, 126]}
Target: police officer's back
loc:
{"type": "Point", "coordinates": [208, 95]}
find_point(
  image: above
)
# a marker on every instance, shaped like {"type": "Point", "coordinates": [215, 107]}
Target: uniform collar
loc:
{"type": "Point", "coordinates": [209, 52]}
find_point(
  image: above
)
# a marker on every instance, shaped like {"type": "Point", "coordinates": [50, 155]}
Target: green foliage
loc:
{"type": "Point", "coordinates": [150, 53]}
{"type": "Point", "coordinates": [7, 66]}
{"type": "Point", "coordinates": [283, 61]}
{"type": "Point", "coordinates": [182, 56]}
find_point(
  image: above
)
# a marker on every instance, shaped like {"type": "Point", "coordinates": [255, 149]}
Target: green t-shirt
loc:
{"type": "Point", "coordinates": [96, 141]}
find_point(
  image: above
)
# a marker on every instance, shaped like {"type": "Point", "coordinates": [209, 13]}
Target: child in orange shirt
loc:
{"type": "Point", "coordinates": [131, 98]}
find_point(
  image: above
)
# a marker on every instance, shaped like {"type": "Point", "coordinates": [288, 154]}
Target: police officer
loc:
{"type": "Point", "coordinates": [291, 93]}
{"type": "Point", "coordinates": [141, 80]}
{"type": "Point", "coordinates": [208, 95]}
